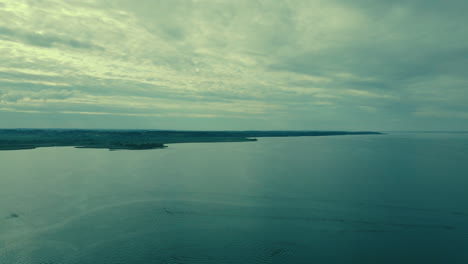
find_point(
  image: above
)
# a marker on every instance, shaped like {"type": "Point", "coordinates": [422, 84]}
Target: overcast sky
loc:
{"type": "Point", "coordinates": [205, 64]}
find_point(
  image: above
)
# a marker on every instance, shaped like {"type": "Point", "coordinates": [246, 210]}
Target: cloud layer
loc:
{"type": "Point", "coordinates": [205, 64]}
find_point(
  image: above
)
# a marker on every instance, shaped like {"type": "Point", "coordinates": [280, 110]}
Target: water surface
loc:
{"type": "Point", "coordinates": [398, 198]}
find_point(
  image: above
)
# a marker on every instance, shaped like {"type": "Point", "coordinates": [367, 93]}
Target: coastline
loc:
{"type": "Point", "coordinates": [19, 139]}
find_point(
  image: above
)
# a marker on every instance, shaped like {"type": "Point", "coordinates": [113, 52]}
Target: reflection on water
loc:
{"type": "Point", "coordinates": [398, 198]}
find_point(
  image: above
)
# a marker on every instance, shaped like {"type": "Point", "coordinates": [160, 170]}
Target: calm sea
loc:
{"type": "Point", "coordinates": [395, 198]}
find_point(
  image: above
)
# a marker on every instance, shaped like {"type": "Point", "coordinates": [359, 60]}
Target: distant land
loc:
{"type": "Point", "coordinates": [16, 139]}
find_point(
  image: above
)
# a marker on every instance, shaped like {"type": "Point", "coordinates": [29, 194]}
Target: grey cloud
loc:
{"type": "Point", "coordinates": [12, 96]}
{"type": "Point", "coordinates": [393, 54]}
{"type": "Point", "coordinates": [22, 76]}
{"type": "Point", "coordinates": [44, 40]}
{"type": "Point", "coordinates": [334, 62]}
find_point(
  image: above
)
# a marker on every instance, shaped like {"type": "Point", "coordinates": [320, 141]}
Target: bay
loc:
{"type": "Point", "coordinates": [394, 198]}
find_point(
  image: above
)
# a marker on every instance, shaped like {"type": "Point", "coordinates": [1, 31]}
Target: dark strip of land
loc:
{"type": "Point", "coordinates": [15, 139]}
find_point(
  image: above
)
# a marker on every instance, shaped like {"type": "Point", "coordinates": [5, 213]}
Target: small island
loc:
{"type": "Point", "coordinates": [17, 139]}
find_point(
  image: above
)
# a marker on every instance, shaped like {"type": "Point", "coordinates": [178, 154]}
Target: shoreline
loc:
{"type": "Point", "coordinates": [19, 139]}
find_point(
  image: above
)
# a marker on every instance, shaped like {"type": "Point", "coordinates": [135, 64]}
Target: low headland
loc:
{"type": "Point", "coordinates": [16, 139]}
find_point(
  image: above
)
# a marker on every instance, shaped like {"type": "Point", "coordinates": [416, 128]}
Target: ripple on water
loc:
{"type": "Point", "coordinates": [145, 248]}
{"type": "Point", "coordinates": [143, 232]}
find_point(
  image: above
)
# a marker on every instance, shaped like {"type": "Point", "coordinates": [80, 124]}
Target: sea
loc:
{"type": "Point", "coordinates": [392, 198]}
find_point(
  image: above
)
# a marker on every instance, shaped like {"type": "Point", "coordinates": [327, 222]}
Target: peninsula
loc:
{"type": "Point", "coordinates": [16, 139]}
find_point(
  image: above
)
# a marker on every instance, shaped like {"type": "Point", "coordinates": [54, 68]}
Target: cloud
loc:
{"type": "Point", "coordinates": [309, 64]}
{"type": "Point", "coordinates": [441, 113]}
{"type": "Point", "coordinates": [43, 40]}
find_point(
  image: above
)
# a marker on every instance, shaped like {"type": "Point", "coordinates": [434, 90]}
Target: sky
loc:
{"type": "Point", "coordinates": [234, 65]}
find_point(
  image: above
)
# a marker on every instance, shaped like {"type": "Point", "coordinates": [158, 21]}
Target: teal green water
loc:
{"type": "Point", "coordinates": [397, 198]}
